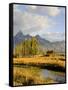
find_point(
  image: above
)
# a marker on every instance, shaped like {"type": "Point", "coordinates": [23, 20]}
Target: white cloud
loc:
{"type": "Point", "coordinates": [29, 22]}
{"type": "Point", "coordinates": [33, 23]}
{"type": "Point", "coordinates": [49, 10]}
{"type": "Point", "coordinates": [54, 36]}
{"type": "Point", "coordinates": [33, 7]}
{"type": "Point", "coordinates": [53, 11]}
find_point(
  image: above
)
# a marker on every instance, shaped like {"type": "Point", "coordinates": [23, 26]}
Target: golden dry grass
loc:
{"type": "Point", "coordinates": [29, 76]}
{"type": "Point", "coordinates": [41, 60]}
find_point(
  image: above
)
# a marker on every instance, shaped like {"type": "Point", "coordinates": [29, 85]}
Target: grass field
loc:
{"type": "Point", "coordinates": [31, 75]}
{"type": "Point", "coordinates": [42, 61]}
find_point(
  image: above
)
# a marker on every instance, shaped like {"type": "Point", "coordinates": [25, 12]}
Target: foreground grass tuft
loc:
{"type": "Point", "coordinates": [29, 76]}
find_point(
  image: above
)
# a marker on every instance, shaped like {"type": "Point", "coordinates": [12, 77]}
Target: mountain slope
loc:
{"type": "Point", "coordinates": [44, 44]}
{"type": "Point", "coordinates": [19, 37]}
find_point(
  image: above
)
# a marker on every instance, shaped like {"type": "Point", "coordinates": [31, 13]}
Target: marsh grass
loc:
{"type": "Point", "coordinates": [52, 62]}
{"type": "Point", "coordinates": [29, 76]}
{"type": "Point", "coordinates": [26, 70]}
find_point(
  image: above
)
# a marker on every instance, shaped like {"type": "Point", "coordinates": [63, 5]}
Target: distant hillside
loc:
{"type": "Point", "coordinates": [58, 46]}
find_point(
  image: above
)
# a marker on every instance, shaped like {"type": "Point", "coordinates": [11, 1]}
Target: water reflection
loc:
{"type": "Point", "coordinates": [59, 77]}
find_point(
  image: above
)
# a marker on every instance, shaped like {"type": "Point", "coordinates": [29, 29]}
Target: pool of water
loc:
{"type": "Point", "coordinates": [59, 77]}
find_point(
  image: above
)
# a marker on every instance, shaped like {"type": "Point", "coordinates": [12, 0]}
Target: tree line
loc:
{"type": "Point", "coordinates": [29, 47]}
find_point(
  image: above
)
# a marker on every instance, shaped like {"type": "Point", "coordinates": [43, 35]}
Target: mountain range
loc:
{"type": "Point", "coordinates": [58, 46]}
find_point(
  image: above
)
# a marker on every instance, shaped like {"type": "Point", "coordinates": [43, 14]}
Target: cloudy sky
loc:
{"type": "Point", "coordinates": [46, 21]}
